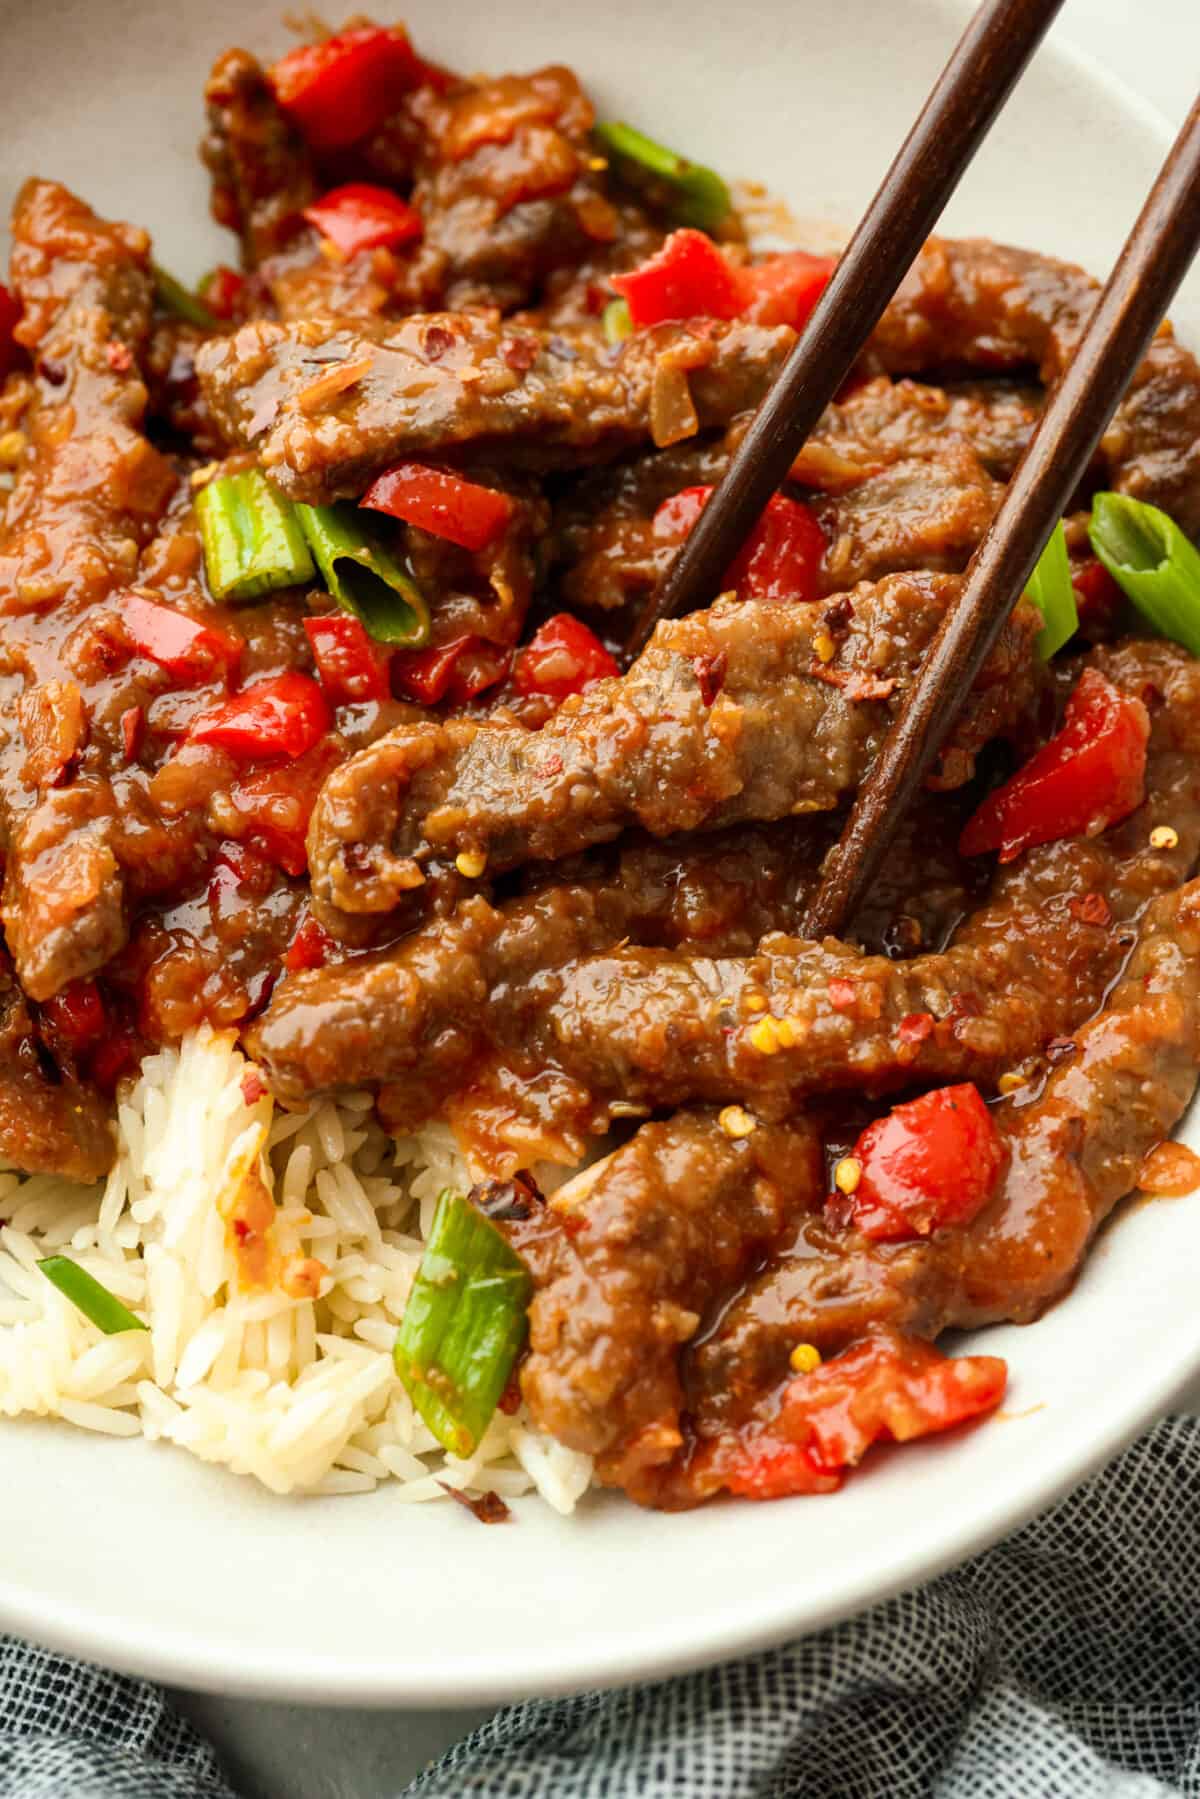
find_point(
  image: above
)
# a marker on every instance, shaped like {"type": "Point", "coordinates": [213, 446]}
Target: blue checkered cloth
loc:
{"type": "Point", "coordinates": [1066, 1661]}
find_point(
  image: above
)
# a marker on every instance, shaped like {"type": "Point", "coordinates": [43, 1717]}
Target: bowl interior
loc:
{"type": "Point", "coordinates": [140, 1557]}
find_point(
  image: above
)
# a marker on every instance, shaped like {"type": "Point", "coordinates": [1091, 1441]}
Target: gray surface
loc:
{"type": "Point", "coordinates": [296, 1752]}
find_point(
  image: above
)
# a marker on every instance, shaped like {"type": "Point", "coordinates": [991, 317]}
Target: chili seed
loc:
{"type": "Point", "coordinates": [805, 1357]}
{"type": "Point", "coordinates": [847, 1174]}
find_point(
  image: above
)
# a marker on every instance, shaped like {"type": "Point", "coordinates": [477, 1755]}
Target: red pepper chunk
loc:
{"type": "Point", "coordinates": [781, 559]}
{"type": "Point", "coordinates": [284, 715]}
{"type": "Point", "coordinates": [887, 1387]}
{"type": "Point", "coordinates": [276, 805]}
{"type": "Point", "coordinates": [222, 291]}
{"type": "Point", "coordinates": [187, 649]}
{"type": "Point", "coordinates": [458, 670]}
{"type": "Point", "coordinates": [10, 317]}
{"type": "Point", "coordinates": [445, 505]}
{"type": "Point", "coordinates": [76, 1016]}
{"type": "Point", "coordinates": [310, 946]}
{"type": "Point", "coordinates": [339, 91]}
{"type": "Point", "coordinates": [1092, 773]}
{"type": "Point", "coordinates": [352, 666]}
{"type": "Point", "coordinates": [783, 290]}
{"type": "Point", "coordinates": [562, 658]}
{"type": "Point", "coordinates": [359, 216]}
{"type": "Point", "coordinates": [931, 1162]}
{"type": "Point", "coordinates": [687, 278]}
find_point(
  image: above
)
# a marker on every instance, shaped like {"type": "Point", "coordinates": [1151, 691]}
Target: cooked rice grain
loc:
{"type": "Point", "coordinates": [298, 1393]}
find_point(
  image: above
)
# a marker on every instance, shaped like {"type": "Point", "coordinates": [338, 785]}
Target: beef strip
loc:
{"type": "Point", "coordinates": [411, 1013]}
{"type": "Point", "coordinates": [883, 421]}
{"type": "Point", "coordinates": [1075, 1149]}
{"type": "Point", "coordinates": [328, 406]}
{"type": "Point", "coordinates": [626, 1261]}
{"type": "Point", "coordinates": [973, 304]}
{"type": "Point", "coordinates": [89, 494]}
{"type": "Point", "coordinates": [49, 1122]}
{"type": "Point", "coordinates": [924, 511]}
{"type": "Point", "coordinates": [786, 733]}
{"type": "Point", "coordinates": [508, 187]}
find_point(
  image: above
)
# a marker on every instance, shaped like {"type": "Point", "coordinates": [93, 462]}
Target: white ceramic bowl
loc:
{"type": "Point", "coordinates": [139, 1556]}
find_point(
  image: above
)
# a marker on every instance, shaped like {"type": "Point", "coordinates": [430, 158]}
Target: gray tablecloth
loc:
{"type": "Point", "coordinates": [1064, 1661]}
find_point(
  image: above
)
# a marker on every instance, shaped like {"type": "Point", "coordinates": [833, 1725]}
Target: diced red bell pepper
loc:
{"type": "Point", "coordinates": [10, 315]}
{"type": "Point", "coordinates": [457, 670]}
{"type": "Point", "coordinates": [187, 649]}
{"type": "Point", "coordinates": [782, 290]}
{"type": "Point", "coordinates": [886, 1387]}
{"type": "Point", "coordinates": [687, 278]}
{"type": "Point", "coordinates": [277, 804]}
{"type": "Point", "coordinates": [359, 216]}
{"type": "Point", "coordinates": [76, 1016]}
{"type": "Point", "coordinates": [780, 561]}
{"type": "Point", "coordinates": [933, 1161]}
{"type": "Point", "coordinates": [1092, 773]}
{"type": "Point", "coordinates": [310, 946]}
{"type": "Point", "coordinates": [767, 1468]}
{"type": "Point", "coordinates": [112, 1060]}
{"type": "Point", "coordinates": [352, 666]}
{"type": "Point", "coordinates": [562, 658]}
{"type": "Point", "coordinates": [461, 511]}
{"type": "Point", "coordinates": [284, 715]}
{"type": "Point", "coordinates": [1099, 600]}
{"type": "Point", "coordinates": [222, 291]}
{"type": "Point", "coordinates": [341, 90]}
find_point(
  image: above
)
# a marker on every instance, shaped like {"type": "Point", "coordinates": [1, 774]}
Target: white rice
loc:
{"type": "Point", "coordinates": [300, 1394]}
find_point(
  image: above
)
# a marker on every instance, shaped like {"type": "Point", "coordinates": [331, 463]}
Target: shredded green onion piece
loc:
{"type": "Point", "coordinates": [1147, 554]}
{"type": "Point", "coordinates": [464, 1324]}
{"type": "Point", "coordinates": [174, 297]}
{"type": "Point", "coordinates": [363, 577]}
{"type": "Point", "coordinates": [689, 192]}
{"type": "Point", "coordinates": [95, 1301]}
{"type": "Point", "coordinates": [1051, 591]}
{"type": "Point", "coordinates": [252, 538]}
{"type": "Point", "coordinates": [616, 320]}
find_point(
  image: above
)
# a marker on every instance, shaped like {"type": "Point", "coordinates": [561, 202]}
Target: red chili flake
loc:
{"type": "Point", "coordinates": [553, 765]}
{"type": "Point", "coordinates": [436, 341]}
{"type": "Point", "coordinates": [510, 1400]}
{"type": "Point", "coordinates": [842, 993]}
{"type": "Point", "coordinates": [1091, 909]}
{"type": "Point", "coordinates": [133, 730]}
{"type": "Point", "coordinates": [963, 1007]}
{"type": "Point", "coordinates": [915, 1027]}
{"type": "Point", "coordinates": [253, 1087]}
{"type": "Point", "coordinates": [242, 1230]}
{"type": "Point", "coordinates": [118, 356]}
{"type": "Point", "coordinates": [52, 372]}
{"type": "Point", "coordinates": [837, 614]}
{"type": "Point", "coordinates": [520, 353]}
{"type": "Point", "coordinates": [489, 1508]}
{"type": "Point", "coordinates": [710, 673]}
{"type": "Point", "coordinates": [1061, 1049]}
{"type": "Point", "coordinates": [855, 683]}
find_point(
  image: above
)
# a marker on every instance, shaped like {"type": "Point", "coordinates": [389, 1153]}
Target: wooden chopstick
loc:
{"type": "Point", "coordinates": [1151, 266]}
{"type": "Point", "coordinates": [972, 88]}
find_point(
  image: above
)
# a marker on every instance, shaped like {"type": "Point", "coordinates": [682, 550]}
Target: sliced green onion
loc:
{"type": "Point", "coordinates": [691, 193]}
{"type": "Point", "coordinates": [1051, 591]}
{"type": "Point", "coordinates": [464, 1324]}
{"type": "Point", "coordinates": [363, 577]}
{"type": "Point", "coordinates": [253, 542]}
{"type": "Point", "coordinates": [95, 1301]}
{"type": "Point", "coordinates": [174, 297]}
{"type": "Point", "coordinates": [616, 320]}
{"type": "Point", "coordinates": [1147, 554]}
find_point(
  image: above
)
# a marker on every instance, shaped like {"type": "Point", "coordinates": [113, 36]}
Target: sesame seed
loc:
{"type": "Point", "coordinates": [1164, 837]}
{"type": "Point", "coordinates": [805, 1357]}
{"type": "Point", "coordinates": [765, 1036]}
{"type": "Point", "coordinates": [470, 864]}
{"type": "Point", "coordinates": [847, 1174]}
{"type": "Point", "coordinates": [736, 1122]}
{"type": "Point", "coordinates": [824, 646]}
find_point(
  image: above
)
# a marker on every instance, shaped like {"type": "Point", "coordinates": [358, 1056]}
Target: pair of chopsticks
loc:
{"type": "Point", "coordinates": [965, 101]}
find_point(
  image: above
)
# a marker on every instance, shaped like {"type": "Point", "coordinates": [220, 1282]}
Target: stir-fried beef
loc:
{"type": "Point", "coordinates": [627, 1259]}
{"type": "Point", "coordinates": [969, 303]}
{"type": "Point", "coordinates": [50, 1122]}
{"type": "Point", "coordinates": [411, 1014]}
{"type": "Point", "coordinates": [1075, 1149]}
{"type": "Point", "coordinates": [786, 733]}
{"type": "Point", "coordinates": [328, 406]}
